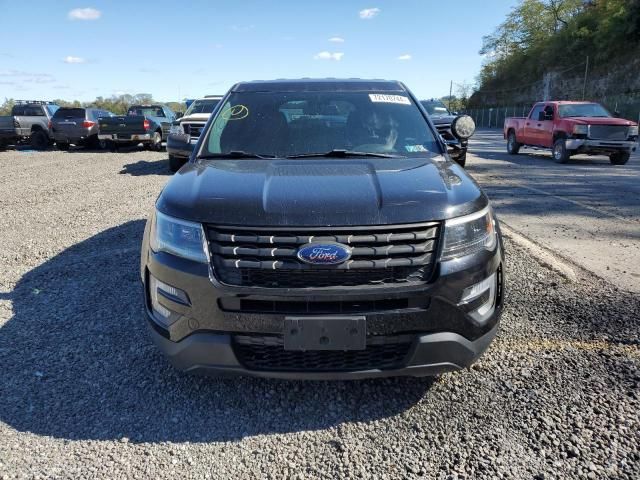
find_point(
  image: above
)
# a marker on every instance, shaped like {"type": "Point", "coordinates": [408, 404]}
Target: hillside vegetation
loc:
{"type": "Point", "coordinates": [542, 36]}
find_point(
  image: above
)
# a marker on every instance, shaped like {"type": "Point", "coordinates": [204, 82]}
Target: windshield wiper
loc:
{"type": "Point", "coordinates": [233, 154]}
{"type": "Point", "coordinates": [344, 153]}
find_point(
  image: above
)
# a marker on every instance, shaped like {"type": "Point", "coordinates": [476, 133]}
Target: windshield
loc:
{"type": "Point", "coordinates": [52, 109]}
{"type": "Point", "coordinates": [583, 110]}
{"type": "Point", "coordinates": [435, 107]}
{"type": "Point", "coordinates": [146, 111]}
{"type": "Point", "coordinates": [202, 106]}
{"type": "Point", "coordinates": [297, 123]}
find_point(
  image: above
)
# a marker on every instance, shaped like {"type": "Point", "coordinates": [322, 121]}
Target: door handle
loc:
{"type": "Point", "coordinates": [539, 124]}
{"type": "Point", "coordinates": [527, 124]}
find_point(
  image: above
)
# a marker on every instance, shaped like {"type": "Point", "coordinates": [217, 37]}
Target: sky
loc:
{"type": "Point", "coordinates": [78, 50]}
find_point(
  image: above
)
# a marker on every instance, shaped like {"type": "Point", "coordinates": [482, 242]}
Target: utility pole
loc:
{"type": "Point", "coordinates": [450, 90]}
{"type": "Point", "coordinates": [586, 71]}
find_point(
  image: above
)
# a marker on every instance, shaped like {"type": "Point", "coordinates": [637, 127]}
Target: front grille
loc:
{"type": "Point", "coordinates": [608, 132]}
{"type": "Point", "coordinates": [268, 353]}
{"type": "Point", "coordinates": [445, 132]}
{"type": "Point", "coordinates": [380, 256]}
{"type": "Point", "coordinates": [235, 304]}
{"type": "Point", "coordinates": [193, 129]}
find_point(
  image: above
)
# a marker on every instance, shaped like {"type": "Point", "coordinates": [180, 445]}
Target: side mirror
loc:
{"type": "Point", "coordinates": [179, 115]}
{"type": "Point", "coordinates": [454, 113]}
{"type": "Point", "coordinates": [616, 114]}
{"type": "Point", "coordinates": [463, 127]}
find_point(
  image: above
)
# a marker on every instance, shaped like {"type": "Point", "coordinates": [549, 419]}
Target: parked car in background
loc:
{"type": "Point", "coordinates": [30, 123]}
{"type": "Point", "coordinates": [184, 133]}
{"type": "Point", "coordinates": [443, 120]}
{"type": "Point", "coordinates": [8, 133]}
{"type": "Point", "coordinates": [319, 231]}
{"type": "Point", "coordinates": [146, 124]}
{"type": "Point", "coordinates": [78, 126]}
{"type": "Point", "coordinates": [571, 128]}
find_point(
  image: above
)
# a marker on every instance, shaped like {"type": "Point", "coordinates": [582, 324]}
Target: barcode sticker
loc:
{"type": "Point", "coordinates": [380, 98]}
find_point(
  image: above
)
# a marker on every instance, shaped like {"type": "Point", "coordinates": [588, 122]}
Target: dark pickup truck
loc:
{"type": "Point", "coordinates": [146, 124]}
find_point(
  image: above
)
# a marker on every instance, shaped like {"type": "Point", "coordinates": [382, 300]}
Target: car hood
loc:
{"type": "Point", "coordinates": [320, 192]}
{"type": "Point", "coordinates": [196, 117]}
{"type": "Point", "coordinates": [599, 121]}
{"type": "Point", "coordinates": [442, 119]}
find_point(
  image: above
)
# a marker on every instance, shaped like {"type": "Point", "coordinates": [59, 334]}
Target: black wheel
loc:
{"type": "Point", "coordinates": [97, 143]}
{"type": "Point", "coordinates": [39, 140]}
{"type": "Point", "coordinates": [156, 141]}
{"type": "Point", "coordinates": [175, 163]}
{"type": "Point", "coordinates": [560, 152]}
{"type": "Point", "coordinates": [461, 160]}
{"type": "Point", "coordinates": [62, 146]}
{"type": "Point", "coordinates": [619, 158]}
{"type": "Point", "coordinates": [513, 147]}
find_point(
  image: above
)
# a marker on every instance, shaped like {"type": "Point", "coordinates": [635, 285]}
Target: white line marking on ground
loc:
{"type": "Point", "coordinates": [542, 255]}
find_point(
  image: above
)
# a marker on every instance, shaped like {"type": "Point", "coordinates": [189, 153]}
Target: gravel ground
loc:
{"type": "Point", "coordinates": [84, 394]}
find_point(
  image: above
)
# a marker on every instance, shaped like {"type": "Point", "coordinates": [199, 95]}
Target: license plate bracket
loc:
{"type": "Point", "coordinates": [325, 333]}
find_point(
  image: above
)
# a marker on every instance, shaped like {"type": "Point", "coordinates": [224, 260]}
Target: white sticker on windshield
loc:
{"type": "Point", "coordinates": [380, 98]}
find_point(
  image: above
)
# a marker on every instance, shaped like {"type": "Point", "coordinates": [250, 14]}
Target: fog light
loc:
{"type": "Point", "coordinates": [480, 299]}
{"type": "Point", "coordinates": [159, 309]}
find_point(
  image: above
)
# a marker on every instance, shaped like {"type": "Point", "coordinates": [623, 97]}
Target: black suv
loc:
{"type": "Point", "coordinates": [444, 121]}
{"type": "Point", "coordinates": [319, 230]}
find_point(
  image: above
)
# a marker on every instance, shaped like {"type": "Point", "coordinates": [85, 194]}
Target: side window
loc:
{"type": "Point", "coordinates": [18, 110]}
{"type": "Point", "coordinates": [536, 112]}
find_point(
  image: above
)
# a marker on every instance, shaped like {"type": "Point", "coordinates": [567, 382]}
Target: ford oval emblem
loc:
{"type": "Point", "coordinates": [324, 253]}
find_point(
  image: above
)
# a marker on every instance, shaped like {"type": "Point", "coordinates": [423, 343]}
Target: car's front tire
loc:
{"type": "Point", "coordinates": [560, 152]}
{"type": "Point", "coordinates": [619, 158]}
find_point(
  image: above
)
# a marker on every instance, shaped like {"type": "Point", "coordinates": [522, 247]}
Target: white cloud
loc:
{"type": "Point", "coordinates": [84, 14]}
{"type": "Point", "coordinates": [337, 56]}
{"type": "Point", "coordinates": [336, 40]}
{"type": "Point", "coordinates": [72, 59]}
{"type": "Point", "coordinates": [369, 13]}
{"type": "Point", "coordinates": [406, 56]}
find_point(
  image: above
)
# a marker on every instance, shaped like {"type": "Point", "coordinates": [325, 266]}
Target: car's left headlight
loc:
{"type": "Point", "coordinates": [633, 131]}
{"type": "Point", "coordinates": [178, 237]}
{"type": "Point", "coordinates": [469, 234]}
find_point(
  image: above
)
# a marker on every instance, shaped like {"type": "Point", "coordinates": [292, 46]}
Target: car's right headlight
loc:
{"type": "Point", "coordinates": [176, 129]}
{"type": "Point", "coordinates": [580, 129]}
{"type": "Point", "coordinates": [178, 237]}
{"type": "Point", "coordinates": [469, 234]}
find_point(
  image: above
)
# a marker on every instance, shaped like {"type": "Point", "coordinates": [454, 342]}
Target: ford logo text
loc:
{"type": "Point", "coordinates": [324, 253]}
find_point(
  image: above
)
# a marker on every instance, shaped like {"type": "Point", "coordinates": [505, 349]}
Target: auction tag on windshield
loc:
{"type": "Point", "coordinates": [380, 98]}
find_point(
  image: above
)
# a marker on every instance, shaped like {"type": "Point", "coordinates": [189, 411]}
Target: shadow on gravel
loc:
{"type": "Point", "coordinates": [142, 167]}
{"type": "Point", "coordinates": [77, 363]}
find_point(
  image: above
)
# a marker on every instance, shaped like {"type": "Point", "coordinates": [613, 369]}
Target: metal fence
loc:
{"type": "Point", "coordinates": [493, 117]}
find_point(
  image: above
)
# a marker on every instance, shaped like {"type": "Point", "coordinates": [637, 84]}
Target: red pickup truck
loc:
{"type": "Point", "coordinates": [570, 128]}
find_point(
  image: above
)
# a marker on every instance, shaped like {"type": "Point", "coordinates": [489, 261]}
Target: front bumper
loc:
{"type": "Point", "coordinates": [205, 324]}
{"type": "Point", "coordinates": [585, 145]}
{"type": "Point", "coordinates": [180, 145]}
{"type": "Point", "coordinates": [430, 354]}
{"type": "Point", "coordinates": [118, 138]}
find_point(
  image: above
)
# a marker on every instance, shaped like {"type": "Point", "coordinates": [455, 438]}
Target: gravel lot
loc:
{"type": "Point", "coordinates": [84, 394]}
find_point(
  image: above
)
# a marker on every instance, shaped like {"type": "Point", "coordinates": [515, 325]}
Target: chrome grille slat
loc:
{"type": "Point", "coordinates": [268, 258]}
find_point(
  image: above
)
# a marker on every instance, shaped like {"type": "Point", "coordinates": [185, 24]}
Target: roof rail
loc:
{"type": "Point", "coordinates": [34, 102]}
